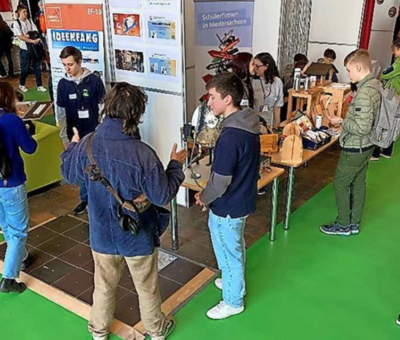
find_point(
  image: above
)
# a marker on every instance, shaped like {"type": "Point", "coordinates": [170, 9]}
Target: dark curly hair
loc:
{"type": "Point", "coordinates": [126, 102]}
{"type": "Point", "coordinates": [272, 70]}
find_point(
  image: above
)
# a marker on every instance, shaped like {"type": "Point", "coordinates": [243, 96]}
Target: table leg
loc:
{"type": "Point", "coordinates": [174, 227]}
{"type": "Point", "coordinates": [289, 198]}
{"type": "Point", "coordinates": [275, 189]}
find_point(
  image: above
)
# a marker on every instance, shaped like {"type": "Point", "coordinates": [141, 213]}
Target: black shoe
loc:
{"type": "Point", "coordinates": [398, 320]}
{"type": "Point", "coordinates": [386, 156]}
{"type": "Point", "coordinates": [335, 229]}
{"type": "Point", "coordinates": [10, 285]}
{"type": "Point", "coordinates": [354, 228]}
{"type": "Point", "coordinates": [80, 208]}
{"type": "Point", "coordinates": [32, 256]}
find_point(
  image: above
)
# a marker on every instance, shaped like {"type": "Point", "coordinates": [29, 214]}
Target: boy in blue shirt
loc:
{"type": "Point", "coordinates": [231, 191]}
{"type": "Point", "coordinates": [79, 96]}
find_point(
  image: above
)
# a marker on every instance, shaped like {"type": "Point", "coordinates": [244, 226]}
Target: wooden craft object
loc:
{"type": "Point", "coordinates": [292, 149]}
{"type": "Point", "coordinates": [269, 143]}
{"type": "Point", "coordinates": [291, 129]}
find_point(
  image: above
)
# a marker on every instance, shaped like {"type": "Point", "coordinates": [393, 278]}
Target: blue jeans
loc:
{"type": "Point", "coordinates": [14, 217]}
{"type": "Point", "coordinates": [25, 60]}
{"type": "Point", "coordinates": [83, 194]}
{"type": "Point", "coordinates": [230, 250]}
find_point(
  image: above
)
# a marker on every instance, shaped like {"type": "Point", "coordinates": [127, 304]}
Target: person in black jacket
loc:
{"type": "Point", "coordinates": [6, 36]}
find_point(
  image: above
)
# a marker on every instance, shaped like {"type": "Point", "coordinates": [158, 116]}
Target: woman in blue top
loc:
{"type": "Point", "coordinates": [13, 197]}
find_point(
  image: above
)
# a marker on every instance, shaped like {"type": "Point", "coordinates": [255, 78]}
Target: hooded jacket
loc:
{"type": "Point", "coordinates": [359, 121]}
{"type": "Point", "coordinates": [391, 76]}
{"type": "Point", "coordinates": [232, 187]}
{"type": "Point", "coordinates": [75, 96]}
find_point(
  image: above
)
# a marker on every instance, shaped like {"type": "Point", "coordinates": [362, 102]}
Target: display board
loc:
{"type": "Point", "coordinates": [78, 25]}
{"type": "Point", "coordinates": [147, 43]}
{"type": "Point", "coordinates": [223, 28]}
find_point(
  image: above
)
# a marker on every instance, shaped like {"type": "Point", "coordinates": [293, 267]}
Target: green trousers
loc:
{"type": "Point", "coordinates": [350, 186]}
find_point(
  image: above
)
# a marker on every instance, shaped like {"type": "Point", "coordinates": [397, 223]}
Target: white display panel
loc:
{"type": "Point", "coordinates": [147, 43]}
{"type": "Point", "coordinates": [381, 20]}
{"type": "Point", "coordinates": [380, 47]}
{"type": "Point", "coordinates": [337, 21]}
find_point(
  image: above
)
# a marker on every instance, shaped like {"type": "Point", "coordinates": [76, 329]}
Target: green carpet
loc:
{"type": "Point", "coordinates": [304, 286]}
{"type": "Point", "coordinates": [308, 286]}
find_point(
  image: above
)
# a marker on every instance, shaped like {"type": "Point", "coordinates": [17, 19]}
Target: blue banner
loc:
{"type": "Point", "coordinates": [82, 40]}
{"type": "Point", "coordinates": [215, 20]}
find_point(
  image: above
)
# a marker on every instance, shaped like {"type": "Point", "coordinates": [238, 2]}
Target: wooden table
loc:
{"type": "Point", "coordinates": [204, 171]}
{"type": "Point", "coordinates": [307, 156]}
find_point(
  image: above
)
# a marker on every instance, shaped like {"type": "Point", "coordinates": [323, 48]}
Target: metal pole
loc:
{"type": "Point", "coordinates": [275, 189]}
{"type": "Point", "coordinates": [289, 198]}
{"type": "Point", "coordinates": [174, 227]}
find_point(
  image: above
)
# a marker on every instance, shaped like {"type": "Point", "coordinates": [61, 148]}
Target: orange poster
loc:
{"type": "Point", "coordinates": [127, 24]}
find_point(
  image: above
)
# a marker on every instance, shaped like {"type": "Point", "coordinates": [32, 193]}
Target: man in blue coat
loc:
{"type": "Point", "coordinates": [135, 173]}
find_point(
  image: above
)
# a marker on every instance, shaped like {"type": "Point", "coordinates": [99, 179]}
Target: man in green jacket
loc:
{"type": "Point", "coordinates": [349, 182]}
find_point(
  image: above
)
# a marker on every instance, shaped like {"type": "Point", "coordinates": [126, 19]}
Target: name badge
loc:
{"type": "Point", "coordinates": [73, 96]}
{"type": "Point", "coordinates": [83, 114]}
{"type": "Point", "coordinates": [244, 103]}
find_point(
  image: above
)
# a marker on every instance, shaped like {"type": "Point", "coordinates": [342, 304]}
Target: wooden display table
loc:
{"type": "Point", "coordinates": [340, 94]}
{"type": "Point", "coordinates": [309, 98]}
{"type": "Point", "coordinates": [204, 171]}
{"type": "Point", "coordinates": [307, 156]}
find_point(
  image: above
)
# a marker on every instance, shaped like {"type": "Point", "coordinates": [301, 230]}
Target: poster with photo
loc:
{"type": "Point", "coordinates": [126, 24]}
{"type": "Point", "coordinates": [162, 29]}
{"type": "Point", "coordinates": [127, 3]}
{"type": "Point", "coordinates": [169, 5]}
{"type": "Point", "coordinates": [78, 25]}
{"type": "Point", "coordinates": [163, 64]}
{"type": "Point", "coordinates": [129, 60]}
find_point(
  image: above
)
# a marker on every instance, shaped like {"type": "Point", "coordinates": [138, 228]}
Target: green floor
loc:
{"type": "Point", "coordinates": [304, 286]}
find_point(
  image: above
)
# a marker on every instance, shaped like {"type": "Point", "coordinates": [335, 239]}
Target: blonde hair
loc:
{"type": "Point", "coordinates": [359, 56]}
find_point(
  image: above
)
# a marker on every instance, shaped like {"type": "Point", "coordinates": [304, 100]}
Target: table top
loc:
{"type": "Point", "coordinates": [307, 155]}
{"type": "Point", "coordinates": [204, 171]}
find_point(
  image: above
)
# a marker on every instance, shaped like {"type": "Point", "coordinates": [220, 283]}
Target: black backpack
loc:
{"type": "Point", "coordinates": [5, 162]}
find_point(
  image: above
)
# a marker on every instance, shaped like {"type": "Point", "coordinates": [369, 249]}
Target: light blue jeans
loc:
{"type": "Point", "coordinates": [14, 217]}
{"type": "Point", "coordinates": [230, 250]}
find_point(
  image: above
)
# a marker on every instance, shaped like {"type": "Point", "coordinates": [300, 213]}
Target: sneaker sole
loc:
{"type": "Point", "coordinates": [387, 157]}
{"type": "Point", "coordinates": [334, 233]}
{"type": "Point", "coordinates": [398, 322]}
{"type": "Point", "coordinates": [355, 232]}
{"type": "Point", "coordinates": [80, 212]}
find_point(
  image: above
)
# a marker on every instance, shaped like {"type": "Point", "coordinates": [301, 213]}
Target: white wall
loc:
{"type": "Point", "coordinates": [336, 25]}
{"type": "Point", "coordinates": [267, 18]}
{"type": "Point", "coordinates": [382, 33]}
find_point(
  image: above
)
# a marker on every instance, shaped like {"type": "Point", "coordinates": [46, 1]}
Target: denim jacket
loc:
{"type": "Point", "coordinates": [132, 168]}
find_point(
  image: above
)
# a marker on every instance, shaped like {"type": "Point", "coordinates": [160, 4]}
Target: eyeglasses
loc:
{"type": "Point", "coordinates": [258, 66]}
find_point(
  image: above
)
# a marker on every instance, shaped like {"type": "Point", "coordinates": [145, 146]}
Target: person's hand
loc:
{"type": "Point", "coordinates": [36, 41]}
{"type": "Point", "coordinates": [198, 200]}
{"type": "Point", "coordinates": [75, 138]}
{"type": "Point", "coordinates": [178, 156]}
{"type": "Point", "coordinates": [335, 120]}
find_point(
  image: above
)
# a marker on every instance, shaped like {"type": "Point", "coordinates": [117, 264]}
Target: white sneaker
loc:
{"type": "Point", "coordinates": [218, 283]}
{"type": "Point", "coordinates": [23, 88]}
{"type": "Point", "coordinates": [41, 89]}
{"type": "Point", "coordinates": [223, 311]}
